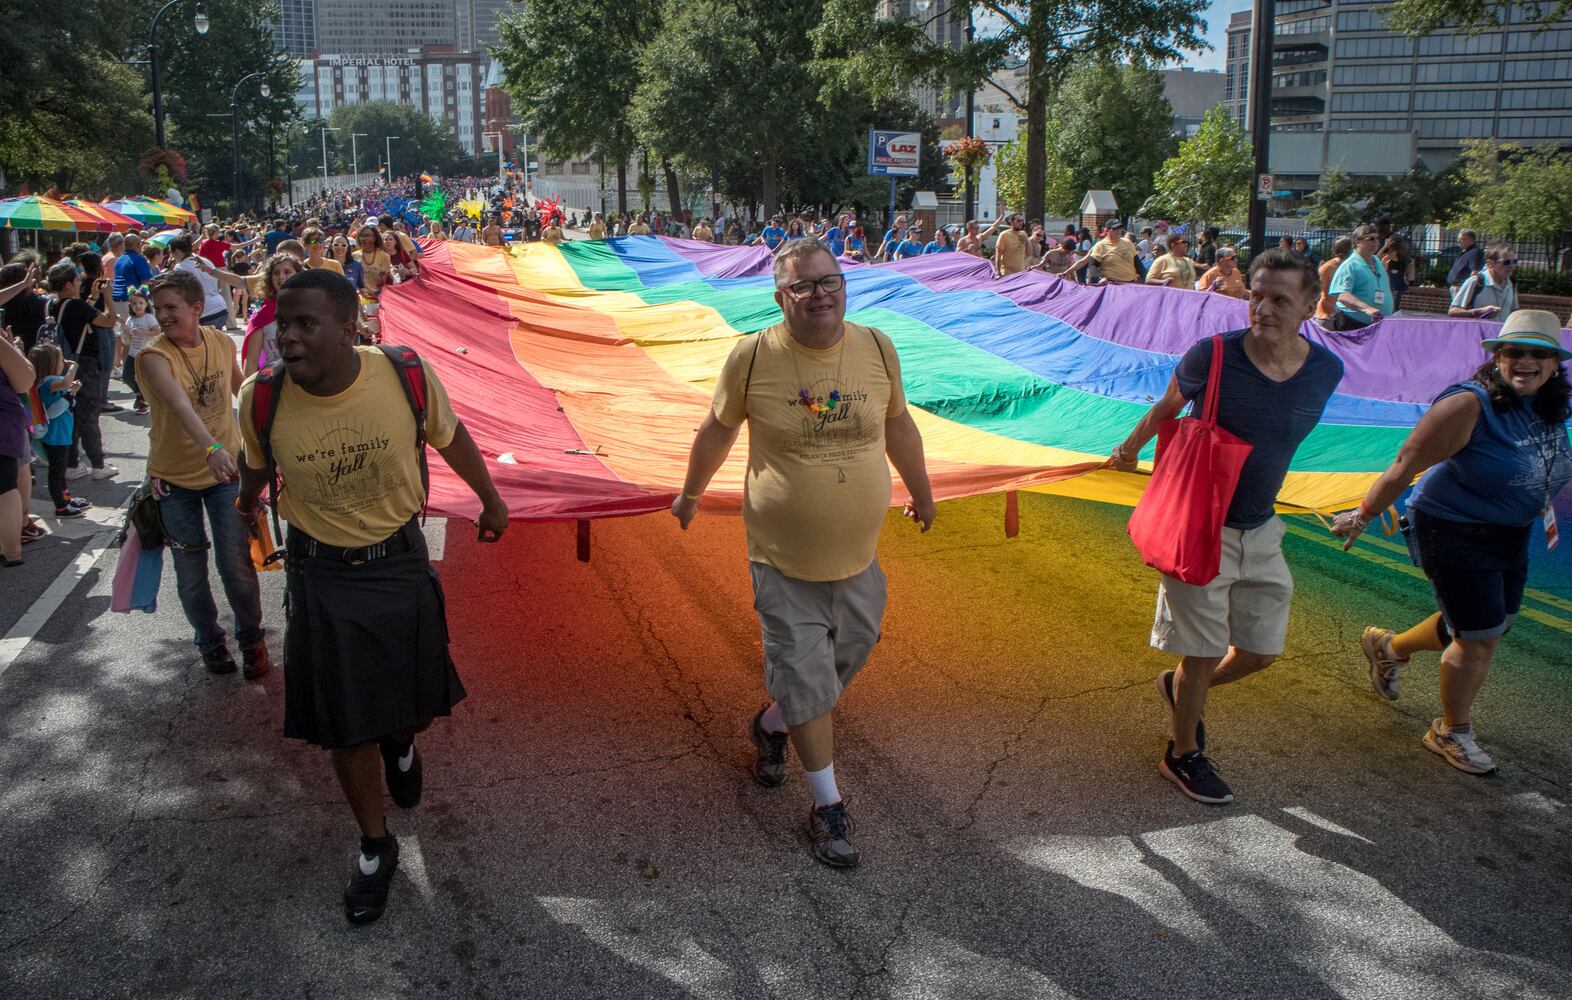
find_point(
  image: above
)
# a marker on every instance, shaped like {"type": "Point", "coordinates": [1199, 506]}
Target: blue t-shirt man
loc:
{"type": "Point", "coordinates": [835, 240]}
{"type": "Point", "coordinates": [1274, 417]}
{"type": "Point", "coordinates": [773, 235]}
{"type": "Point", "coordinates": [273, 237]}
{"type": "Point", "coordinates": [131, 269]}
{"type": "Point", "coordinates": [1368, 282]}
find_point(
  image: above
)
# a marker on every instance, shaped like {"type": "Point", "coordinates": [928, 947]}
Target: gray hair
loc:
{"type": "Point", "coordinates": [115, 240]}
{"type": "Point", "coordinates": [796, 250]}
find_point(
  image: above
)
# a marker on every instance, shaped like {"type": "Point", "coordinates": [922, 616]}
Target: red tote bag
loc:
{"type": "Point", "coordinates": [1178, 525]}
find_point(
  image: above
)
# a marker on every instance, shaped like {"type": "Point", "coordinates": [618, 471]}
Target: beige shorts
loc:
{"type": "Point", "coordinates": [1245, 607]}
{"type": "Point", "coordinates": [816, 635]}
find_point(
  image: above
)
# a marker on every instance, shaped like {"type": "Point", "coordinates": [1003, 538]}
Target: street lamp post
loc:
{"type": "Point", "coordinates": [969, 208]}
{"type": "Point", "coordinates": [1263, 30]}
{"type": "Point", "coordinates": [354, 153]}
{"type": "Point", "coordinates": [389, 163]}
{"type": "Point", "coordinates": [234, 122]}
{"type": "Point", "coordinates": [201, 23]}
{"type": "Point", "coordinates": [325, 130]}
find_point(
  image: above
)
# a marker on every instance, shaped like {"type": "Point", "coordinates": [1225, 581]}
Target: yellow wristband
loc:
{"type": "Point", "coordinates": [688, 496]}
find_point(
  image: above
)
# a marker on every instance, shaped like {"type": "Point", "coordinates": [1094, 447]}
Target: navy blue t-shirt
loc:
{"type": "Point", "coordinates": [1275, 417]}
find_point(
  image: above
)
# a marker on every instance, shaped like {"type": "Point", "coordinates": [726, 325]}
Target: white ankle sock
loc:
{"type": "Point", "coordinates": [823, 784]}
{"type": "Point", "coordinates": [772, 720]}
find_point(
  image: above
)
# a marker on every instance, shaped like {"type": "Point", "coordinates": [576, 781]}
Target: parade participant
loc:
{"type": "Point", "coordinates": [703, 232]}
{"type": "Point", "coordinates": [856, 244]}
{"type": "Point", "coordinates": [1225, 278]}
{"type": "Point", "coordinates": [1361, 284]}
{"type": "Point", "coordinates": [366, 662]}
{"type": "Point", "coordinates": [1470, 260]}
{"type": "Point", "coordinates": [972, 241]}
{"type": "Point", "coordinates": [940, 242]}
{"type": "Point", "coordinates": [1401, 269]}
{"type": "Point", "coordinates": [131, 269]}
{"type": "Point", "coordinates": [1056, 259]}
{"type": "Point", "coordinates": [1494, 453]}
{"type": "Point", "coordinates": [1114, 256]}
{"type": "Point", "coordinates": [826, 417]}
{"type": "Point", "coordinates": [597, 227]}
{"type": "Point", "coordinates": [410, 250]}
{"type": "Point", "coordinates": [1490, 294]}
{"type": "Point", "coordinates": [1275, 384]}
{"type": "Point", "coordinates": [911, 243]}
{"type": "Point", "coordinates": [1009, 252]}
{"type": "Point", "coordinates": [404, 266]}
{"type": "Point", "coordinates": [1173, 268]}
{"type": "Point", "coordinates": [315, 242]}
{"type": "Point", "coordinates": [260, 346]}
{"type": "Point", "coordinates": [552, 233]}
{"type": "Point", "coordinates": [215, 307]}
{"type": "Point", "coordinates": [78, 324]}
{"type": "Point", "coordinates": [57, 384]}
{"type": "Point", "coordinates": [1326, 309]}
{"type": "Point", "coordinates": [190, 375]}
{"type": "Point", "coordinates": [639, 227]}
{"type": "Point", "coordinates": [491, 236]}
{"type": "Point", "coordinates": [376, 267]}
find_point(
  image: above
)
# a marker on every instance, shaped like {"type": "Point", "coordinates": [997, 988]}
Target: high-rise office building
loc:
{"type": "Point", "coordinates": [295, 30]}
{"type": "Point", "coordinates": [448, 86]}
{"type": "Point", "coordinates": [1337, 68]}
{"type": "Point", "coordinates": [943, 27]}
{"type": "Point", "coordinates": [377, 27]}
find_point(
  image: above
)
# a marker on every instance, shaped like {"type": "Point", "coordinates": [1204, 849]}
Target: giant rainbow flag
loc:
{"type": "Point", "coordinates": [583, 370]}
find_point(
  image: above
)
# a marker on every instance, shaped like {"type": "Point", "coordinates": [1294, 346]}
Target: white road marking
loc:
{"type": "Point", "coordinates": [36, 617]}
{"type": "Point", "coordinates": [414, 864]}
{"type": "Point", "coordinates": [657, 946]}
{"type": "Point", "coordinates": [1300, 812]}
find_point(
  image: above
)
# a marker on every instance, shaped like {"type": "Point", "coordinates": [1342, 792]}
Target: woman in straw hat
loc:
{"type": "Point", "coordinates": [1494, 453]}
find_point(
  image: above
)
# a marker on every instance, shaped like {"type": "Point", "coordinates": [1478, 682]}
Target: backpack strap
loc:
{"type": "Point", "coordinates": [265, 392]}
{"type": "Point", "coordinates": [412, 376]}
{"type": "Point", "coordinates": [748, 379]}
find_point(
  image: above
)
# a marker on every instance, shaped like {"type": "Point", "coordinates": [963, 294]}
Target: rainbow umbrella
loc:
{"type": "Point", "coordinates": [139, 212]}
{"type": "Point", "coordinates": [107, 216]}
{"type": "Point", "coordinates": [172, 215]}
{"type": "Point", "coordinates": [162, 239]}
{"type": "Point", "coordinates": [38, 212]}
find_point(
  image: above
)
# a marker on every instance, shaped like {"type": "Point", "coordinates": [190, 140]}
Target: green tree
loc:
{"type": "Point", "coordinates": [1112, 128]}
{"type": "Point", "coordinates": [423, 143]}
{"type": "Point", "coordinates": [571, 68]}
{"type": "Point", "coordinates": [1052, 36]}
{"type": "Point", "coordinates": [1413, 198]}
{"type": "Point", "coordinates": [1336, 204]}
{"type": "Point", "coordinates": [1421, 17]}
{"type": "Point", "coordinates": [1209, 180]}
{"type": "Point", "coordinates": [1060, 196]}
{"type": "Point", "coordinates": [1517, 192]}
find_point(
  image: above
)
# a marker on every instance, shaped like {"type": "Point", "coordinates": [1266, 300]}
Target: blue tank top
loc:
{"type": "Point", "coordinates": [1513, 463]}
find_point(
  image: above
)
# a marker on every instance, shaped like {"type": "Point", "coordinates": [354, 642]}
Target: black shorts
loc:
{"type": "Point", "coordinates": [10, 470]}
{"type": "Point", "coordinates": [1477, 571]}
{"type": "Point", "coordinates": [365, 646]}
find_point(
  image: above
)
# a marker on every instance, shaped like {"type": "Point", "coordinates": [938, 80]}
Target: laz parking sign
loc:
{"type": "Point", "coordinates": [894, 154]}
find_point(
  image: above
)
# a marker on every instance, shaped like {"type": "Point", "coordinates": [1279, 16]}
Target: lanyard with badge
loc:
{"type": "Point", "coordinates": [1380, 296]}
{"type": "Point", "coordinates": [1548, 449]}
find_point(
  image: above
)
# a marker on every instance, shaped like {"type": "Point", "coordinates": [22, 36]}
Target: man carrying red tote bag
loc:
{"type": "Point", "coordinates": [1231, 619]}
{"type": "Point", "coordinates": [1178, 525]}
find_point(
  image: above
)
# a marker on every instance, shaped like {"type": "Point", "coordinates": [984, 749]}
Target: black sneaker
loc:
{"type": "Point", "coordinates": [769, 763]}
{"type": "Point", "coordinates": [366, 896]}
{"type": "Point", "coordinates": [1165, 687]}
{"type": "Point", "coordinates": [256, 661]}
{"type": "Point", "coordinates": [401, 765]}
{"type": "Point", "coordinates": [68, 511]}
{"type": "Point", "coordinates": [1196, 777]}
{"type": "Point", "coordinates": [828, 829]}
{"type": "Point", "coordinates": [219, 661]}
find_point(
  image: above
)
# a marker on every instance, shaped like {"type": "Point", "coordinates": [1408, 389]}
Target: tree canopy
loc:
{"type": "Point", "coordinates": [1210, 179]}
{"type": "Point", "coordinates": [1420, 17]}
{"type": "Point", "coordinates": [1516, 192]}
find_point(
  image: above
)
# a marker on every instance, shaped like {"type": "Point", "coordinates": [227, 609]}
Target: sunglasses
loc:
{"type": "Point", "coordinates": [1537, 353]}
{"type": "Point", "coordinates": [1508, 263]}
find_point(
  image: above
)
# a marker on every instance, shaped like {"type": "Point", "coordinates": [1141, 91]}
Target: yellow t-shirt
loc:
{"type": "Point", "coordinates": [1011, 251]}
{"type": "Point", "coordinates": [202, 372]}
{"type": "Point", "coordinates": [350, 468]}
{"type": "Point", "coordinates": [1181, 269]}
{"type": "Point", "coordinates": [597, 230]}
{"type": "Point", "coordinates": [374, 273]}
{"type": "Point", "coordinates": [1232, 284]}
{"type": "Point", "coordinates": [551, 234]}
{"type": "Point", "coordinates": [704, 233]}
{"type": "Point", "coordinates": [326, 264]}
{"type": "Point", "coordinates": [1116, 258]}
{"type": "Point", "coordinates": [639, 229]}
{"type": "Point", "coordinates": [818, 483]}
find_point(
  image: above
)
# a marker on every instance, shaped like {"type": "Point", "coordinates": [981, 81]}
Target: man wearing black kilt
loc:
{"type": "Point", "coordinates": [366, 664]}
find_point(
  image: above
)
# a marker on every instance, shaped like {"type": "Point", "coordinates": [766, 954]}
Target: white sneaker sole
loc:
{"type": "Point", "coordinates": [1462, 764]}
{"type": "Point", "coordinates": [1369, 643]}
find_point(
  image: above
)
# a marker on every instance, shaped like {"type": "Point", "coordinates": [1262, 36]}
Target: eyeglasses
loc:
{"type": "Point", "coordinates": [1509, 263]}
{"type": "Point", "coordinates": [1537, 353]}
{"type": "Point", "coordinates": [829, 284]}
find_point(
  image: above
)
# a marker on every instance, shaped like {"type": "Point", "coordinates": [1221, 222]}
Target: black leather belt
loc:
{"type": "Point", "coordinates": [303, 546]}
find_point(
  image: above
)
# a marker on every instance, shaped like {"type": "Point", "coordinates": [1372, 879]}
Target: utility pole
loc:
{"type": "Point", "coordinates": [1263, 30]}
{"type": "Point", "coordinates": [968, 210]}
{"type": "Point", "coordinates": [354, 153]}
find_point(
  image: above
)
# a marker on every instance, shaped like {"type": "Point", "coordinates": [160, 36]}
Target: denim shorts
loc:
{"type": "Point", "coordinates": [1477, 571]}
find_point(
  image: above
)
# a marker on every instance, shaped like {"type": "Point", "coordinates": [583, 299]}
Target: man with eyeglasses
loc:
{"type": "Point", "coordinates": [826, 417]}
{"type": "Point", "coordinates": [1361, 286]}
{"type": "Point", "coordinates": [1490, 294]}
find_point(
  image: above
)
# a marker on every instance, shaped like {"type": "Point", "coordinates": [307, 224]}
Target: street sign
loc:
{"type": "Point", "coordinates": [894, 154]}
{"type": "Point", "coordinates": [1263, 187]}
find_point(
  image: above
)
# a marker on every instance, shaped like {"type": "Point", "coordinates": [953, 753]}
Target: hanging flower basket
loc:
{"type": "Point", "coordinates": [155, 159]}
{"type": "Point", "coordinates": [274, 189]}
{"type": "Point", "coordinates": [968, 153]}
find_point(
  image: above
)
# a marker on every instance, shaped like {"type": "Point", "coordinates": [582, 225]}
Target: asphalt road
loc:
{"type": "Point", "coordinates": [589, 827]}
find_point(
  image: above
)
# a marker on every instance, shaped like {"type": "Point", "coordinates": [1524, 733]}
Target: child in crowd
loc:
{"type": "Point", "coordinates": [140, 328]}
{"type": "Point", "coordinates": [57, 386]}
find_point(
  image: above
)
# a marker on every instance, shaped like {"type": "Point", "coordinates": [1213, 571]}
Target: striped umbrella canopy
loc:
{"type": "Point", "coordinates": [106, 215]}
{"type": "Point", "coordinates": [162, 239]}
{"type": "Point", "coordinates": [38, 212]}
{"type": "Point", "coordinates": [173, 214]}
{"type": "Point", "coordinates": [139, 212]}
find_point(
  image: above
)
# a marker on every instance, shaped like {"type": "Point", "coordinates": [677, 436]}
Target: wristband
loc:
{"type": "Point", "coordinates": [213, 449]}
{"type": "Point", "coordinates": [688, 496]}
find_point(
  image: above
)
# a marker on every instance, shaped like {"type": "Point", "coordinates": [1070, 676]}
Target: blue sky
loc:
{"type": "Point", "coordinates": [1216, 30]}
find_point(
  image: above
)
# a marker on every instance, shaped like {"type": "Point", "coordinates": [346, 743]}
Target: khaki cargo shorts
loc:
{"type": "Point", "coordinates": [1246, 606]}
